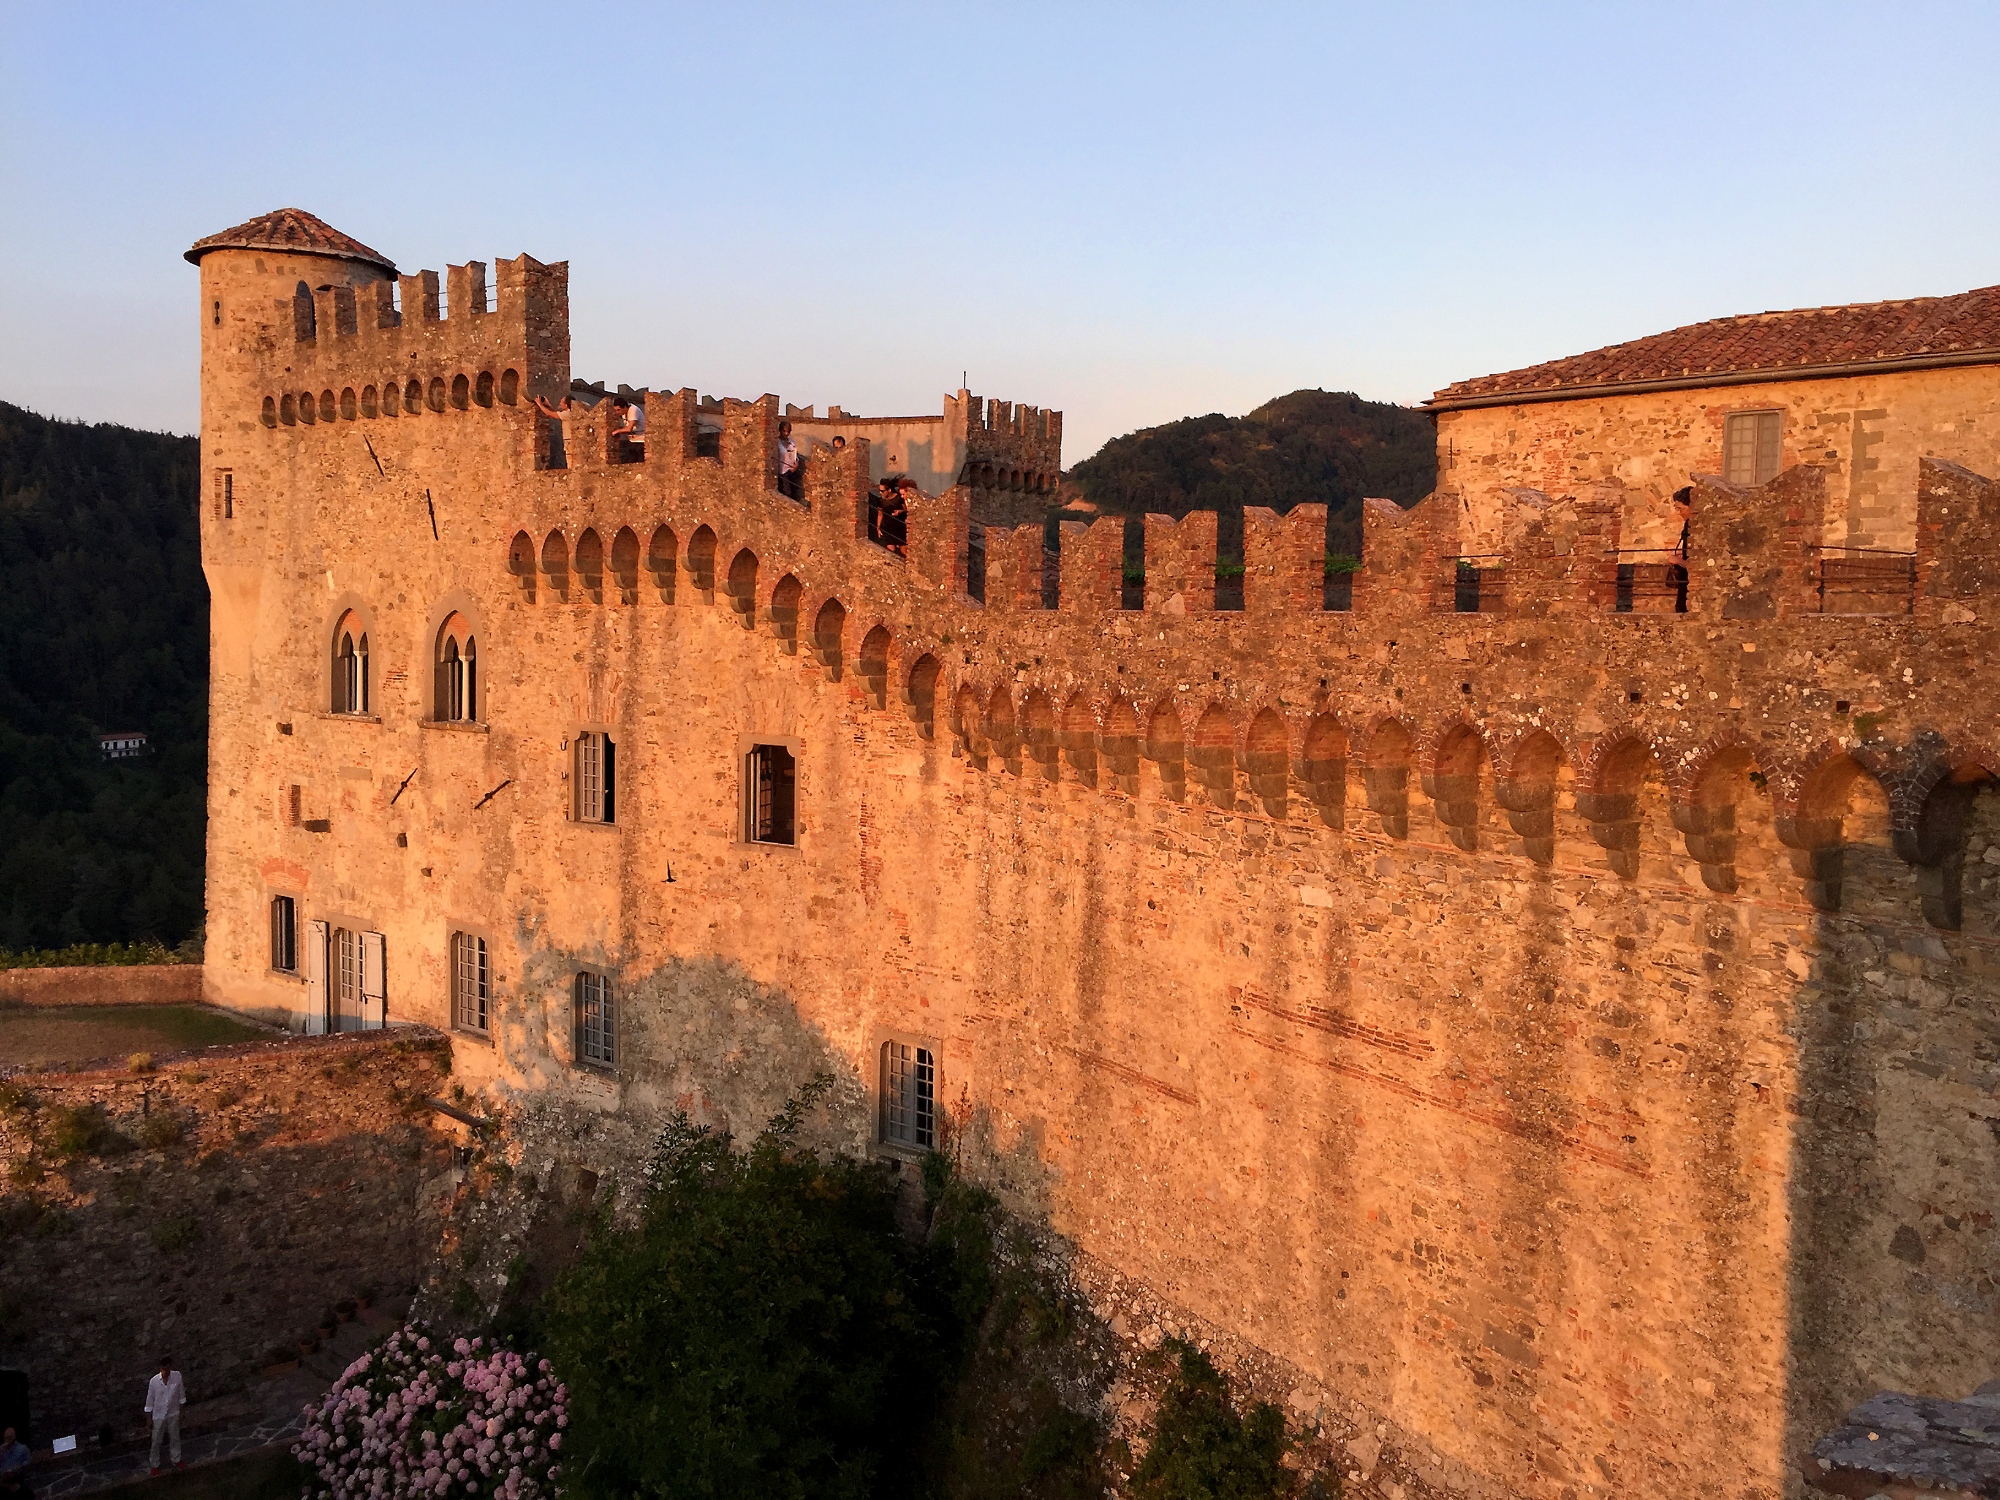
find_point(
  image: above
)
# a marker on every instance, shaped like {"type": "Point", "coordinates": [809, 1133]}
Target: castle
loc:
{"type": "Point", "coordinates": [1540, 992]}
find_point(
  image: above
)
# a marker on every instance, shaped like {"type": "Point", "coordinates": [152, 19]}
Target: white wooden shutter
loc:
{"type": "Point", "coordinates": [316, 999]}
{"type": "Point", "coordinates": [374, 977]}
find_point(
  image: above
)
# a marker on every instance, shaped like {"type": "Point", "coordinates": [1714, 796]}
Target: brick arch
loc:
{"type": "Point", "coordinates": [1524, 786]}
{"type": "Point", "coordinates": [1929, 812]}
{"type": "Point", "coordinates": [370, 406]}
{"type": "Point", "coordinates": [521, 564]}
{"type": "Point", "coordinates": [1118, 745]}
{"type": "Point", "coordinates": [1039, 734]}
{"type": "Point", "coordinates": [1002, 729]}
{"type": "Point", "coordinates": [555, 563]}
{"type": "Point", "coordinates": [1454, 756]}
{"type": "Point", "coordinates": [829, 625]}
{"type": "Point", "coordinates": [920, 693]}
{"type": "Point", "coordinates": [1076, 736]}
{"type": "Point", "coordinates": [783, 612]}
{"type": "Point", "coordinates": [1165, 745]}
{"type": "Point", "coordinates": [1211, 755]}
{"type": "Point", "coordinates": [1385, 773]}
{"type": "Point", "coordinates": [589, 562]}
{"type": "Point", "coordinates": [741, 587]}
{"type": "Point", "coordinates": [663, 560]}
{"type": "Point", "coordinates": [1811, 820]}
{"type": "Point", "coordinates": [1267, 761]}
{"type": "Point", "coordinates": [872, 665]}
{"type": "Point", "coordinates": [1609, 783]}
{"type": "Point", "coordinates": [1322, 766]}
{"type": "Point", "coordinates": [625, 564]}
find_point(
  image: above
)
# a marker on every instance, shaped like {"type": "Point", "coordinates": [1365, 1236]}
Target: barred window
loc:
{"type": "Point", "coordinates": [596, 1022]}
{"type": "Point", "coordinates": [771, 795]}
{"type": "Point", "coordinates": [469, 981]}
{"type": "Point", "coordinates": [284, 935]}
{"type": "Point", "coordinates": [596, 778]}
{"type": "Point", "coordinates": [909, 1095]}
{"type": "Point", "coordinates": [1752, 446]}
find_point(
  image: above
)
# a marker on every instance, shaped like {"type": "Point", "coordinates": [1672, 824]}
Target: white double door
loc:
{"type": "Point", "coordinates": [349, 980]}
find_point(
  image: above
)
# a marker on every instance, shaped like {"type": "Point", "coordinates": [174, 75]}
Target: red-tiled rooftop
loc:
{"type": "Point", "coordinates": [294, 230]}
{"type": "Point", "coordinates": [1961, 329]}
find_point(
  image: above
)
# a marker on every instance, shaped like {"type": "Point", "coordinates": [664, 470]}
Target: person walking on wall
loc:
{"type": "Point", "coordinates": [791, 483]}
{"type": "Point", "coordinates": [165, 1396]}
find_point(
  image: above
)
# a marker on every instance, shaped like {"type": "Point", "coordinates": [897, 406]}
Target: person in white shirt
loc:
{"type": "Point", "coordinates": [633, 429]}
{"type": "Point", "coordinates": [165, 1396]}
{"type": "Point", "coordinates": [791, 483]}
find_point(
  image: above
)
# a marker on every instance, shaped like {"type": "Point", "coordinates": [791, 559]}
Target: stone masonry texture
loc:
{"type": "Point", "coordinates": [288, 1176]}
{"type": "Point", "coordinates": [1563, 1033]}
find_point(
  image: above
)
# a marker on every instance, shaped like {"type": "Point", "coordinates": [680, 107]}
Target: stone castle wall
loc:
{"type": "Point", "coordinates": [1566, 1033]}
{"type": "Point", "coordinates": [1867, 432]}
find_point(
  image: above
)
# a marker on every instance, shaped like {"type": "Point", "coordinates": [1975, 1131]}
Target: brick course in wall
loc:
{"type": "Point", "coordinates": [1567, 1034]}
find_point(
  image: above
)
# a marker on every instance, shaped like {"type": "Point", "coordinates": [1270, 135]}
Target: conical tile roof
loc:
{"type": "Point", "coordinates": [293, 230]}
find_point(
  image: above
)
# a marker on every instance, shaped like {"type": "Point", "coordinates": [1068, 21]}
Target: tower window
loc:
{"type": "Point", "coordinates": [909, 1095]}
{"type": "Point", "coordinates": [1752, 446]}
{"type": "Point", "coordinates": [350, 666]}
{"type": "Point", "coordinates": [457, 688]}
{"type": "Point", "coordinates": [770, 801]}
{"type": "Point", "coordinates": [469, 982]}
{"type": "Point", "coordinates": [218, 312]}
{"type": "Point", "coordinates": [284, 935]}
{"type": "Point", "coordinates": [596, 775]}
{"type": "Point", "coordinates": [596, 1028]}
{"type": "Point", "coordinates": [225, 495]}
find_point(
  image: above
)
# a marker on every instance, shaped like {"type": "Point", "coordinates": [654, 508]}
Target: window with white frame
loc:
{"type": "Point", "coordinates": [470, 982]}
{"type": "Point", "coordinates": [350, 665]}
{"type": "Point", "coordinates": [770, 795]}
{"type": "Point", "coordinates": [909, 1095]}
{"type": "Point", "coordinates": [596, 1020]}
{"type": "Point", "coordinates": [596, 777]}
{"type": "Point", "coordinates": [456, 692]}
{"type": "Point", "coordinates": [284, 935]}
{"type": "Point", "coordinates": [1752, 446]}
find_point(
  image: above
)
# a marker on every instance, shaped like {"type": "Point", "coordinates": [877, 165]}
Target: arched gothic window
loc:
{"type": "Point", "coordinates": [456, 696]}
{"type": "Point", "coordinates": [350, 666]}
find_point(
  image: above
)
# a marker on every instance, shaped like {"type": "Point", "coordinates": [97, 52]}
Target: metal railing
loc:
{"type": "Point", "coordinates": [1650, 581]}
{"type": "Point", "coordinates": [1866, 581]}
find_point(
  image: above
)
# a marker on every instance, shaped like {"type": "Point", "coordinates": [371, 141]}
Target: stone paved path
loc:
{"type": "Point", "coordinates": [269, 1414]}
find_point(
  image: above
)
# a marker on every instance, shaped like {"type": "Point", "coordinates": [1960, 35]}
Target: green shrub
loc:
{"type": "Point", "coordinates": [162, 1131]}
{"type": "Point", "coordinates": [1202, 1448]}
{"type": "Point", "coordinates": [764, 1328]}
{"type": "Point", "coordinates": [89, 955]}
{"type": "Point", "coordinates": [141, 1062]}
{"type": "Point", "coordinates": [84, 1130]}
{"type": "Point", "coordinates": [1066, 1440]}
{"type": "Point", "coordinates": [177, 1233]}
{"type": "Point", "coordinates": [26, 1171]}
{"type": "Point", "coordinates": [18, 1100]}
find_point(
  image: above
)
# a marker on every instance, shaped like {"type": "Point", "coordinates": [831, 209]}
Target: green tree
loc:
{"type": "Point", "coordinates": [1202, 1448]}
{"type": "Point", "coordinates": [764, 1329]}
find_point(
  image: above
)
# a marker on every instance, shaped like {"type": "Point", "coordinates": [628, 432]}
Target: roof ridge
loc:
{"type": "Point", "coordinates": [292, 230]}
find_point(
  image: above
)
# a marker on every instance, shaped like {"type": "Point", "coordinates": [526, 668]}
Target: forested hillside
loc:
{"type": "Point", "coordinates": [1324, 447]}
{"type": "Point", "coordinates": [103, 627]}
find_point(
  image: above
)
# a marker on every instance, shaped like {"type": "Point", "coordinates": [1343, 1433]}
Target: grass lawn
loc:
{"type": "Point", "coordinates": [89, 1033]}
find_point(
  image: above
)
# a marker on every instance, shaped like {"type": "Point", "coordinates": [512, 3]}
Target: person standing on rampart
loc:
{"type": "Point", "coordinates": [165, 1396]}
{"type": "Point", "coordinates": [791, 481]}
{"type": "Point", "coordinates": [632, 427]}
{"type": "Point", "coordinates": [557, 415]}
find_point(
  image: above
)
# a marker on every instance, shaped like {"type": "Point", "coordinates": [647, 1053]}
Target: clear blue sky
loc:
{"type": "Point", "coordinates": [1129, 213]}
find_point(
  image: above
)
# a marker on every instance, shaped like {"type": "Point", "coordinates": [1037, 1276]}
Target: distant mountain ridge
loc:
{"type": "Point", "coordinates": [1330, 448]}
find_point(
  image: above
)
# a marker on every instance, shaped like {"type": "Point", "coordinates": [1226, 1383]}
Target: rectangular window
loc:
{"type": "Point", "coordinates": [468, 981]}
{"type": "Point", "coordinates": [284, 935]}
{"type": "Point", "coordinates": [1752, 447]}
{"type": "Point", "coordinates": [909, 1095]}
{"type": "Point", "coordinates": [225, 495]}
{"type": "Point", "coordinates": [596, 778]}
{"type": "Point", "coordinates": [596, 1029]}
{"type": "Point", "coordinates": [771, 795]}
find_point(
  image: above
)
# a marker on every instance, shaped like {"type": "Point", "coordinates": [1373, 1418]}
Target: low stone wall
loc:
{"type": "Point", "coordinates": [103, 984]}
{"type": "Point", "coordinates": [211, 1209]}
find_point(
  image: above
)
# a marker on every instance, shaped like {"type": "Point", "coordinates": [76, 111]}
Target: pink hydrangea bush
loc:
{"type": "Point", "coordinates": [415, 1418]}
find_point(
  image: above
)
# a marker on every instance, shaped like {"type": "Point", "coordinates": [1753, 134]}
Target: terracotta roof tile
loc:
{"type": "Point", "coordinates": [1779, 342]}
{"type": "Point", "coordinates": [290, 229]}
